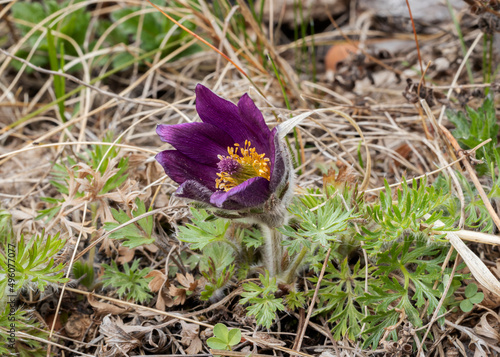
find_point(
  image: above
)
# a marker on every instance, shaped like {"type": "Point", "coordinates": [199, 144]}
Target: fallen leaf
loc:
{"type": "Point", "coordinates": [190, 338]}
{"type": "Point", "coordinates": [118, 341]}
{"type": "Point", "coordinates": [179, 295]}
{"type": "Point", "coordinates": [490, 300]}
{"type": "Point", "coordinates": [103, 308]}
{"type": "Point", "coordinates": [489, 327]}
{"type": "Point", "coordinates": [156, 341]}
{"type": "Point", "coordinates": [159, 279]}
{"type": "Point", "coordinates": [125, 255]}
{"type": "Point", "coordinates": [187, 281]}
{"type": "Point", "coordinates": [77, 325]}
{"type": "Point", "coordinates": [163, 300]}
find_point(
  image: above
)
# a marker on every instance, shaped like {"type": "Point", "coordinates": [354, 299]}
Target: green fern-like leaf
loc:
{"type": "Point", "coordinates": [203, 229]}
{"type": "Point", "coordinates": [134, 234]}
{"type": "Point", "coordinates": [131, 283]}
{"type": "Point", "coordinates": [33, 263]}
{"type": "Point", "coordinates": [263, 303]}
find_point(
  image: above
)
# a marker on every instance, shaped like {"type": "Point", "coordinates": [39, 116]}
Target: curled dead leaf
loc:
{"type": "Point", "coordinates": [125, 255]}
{"type": "Point", "coordinates": [179, 295]}
{"type": "Point", "coordinates": [156, 341]}
{"type": "Point", "coordinates": [164, 299]}
{"type": "Point", "coordinates": [77, 325]}
{"type": "Point", "coordinates": [489, 326]}
{"type": "Point", "coordinates": [118, 342]}
{"type": "Point", "coordinates": [490, 301]}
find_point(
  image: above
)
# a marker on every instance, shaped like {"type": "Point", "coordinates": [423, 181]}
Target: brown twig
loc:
{"type": "Point", "coordinates": [416, 40]}
{"type": "Point", "coordinates": [313, 300]}
{"type": "Point", "coordinates": [472, 175]}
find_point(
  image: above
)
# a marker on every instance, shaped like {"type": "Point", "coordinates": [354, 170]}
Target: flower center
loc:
{"type": "Point", "coordinates": [241, 164]}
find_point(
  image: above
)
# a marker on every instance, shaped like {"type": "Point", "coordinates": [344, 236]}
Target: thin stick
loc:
{"type": "Point", "coordinates": [441, 301]}
{"type": "Point", "coordinates": [416, 41]}
{"type": "Point", "coordinates": [473, 176]}
{"type": "Point", "coordinates": [452, 173]}
{"type": "Point", "coordinates": [68, 272]}
{"type": "Point", "coordinates": [313, 300]}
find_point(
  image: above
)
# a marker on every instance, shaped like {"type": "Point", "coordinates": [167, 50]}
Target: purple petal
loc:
{"type": "Point", "coordinates": [195, 191]}
{"type": "Point", "coordinates": [259, 133]}
{"type": "Point", "coordinates": [181, 168]}
{"type": "Point", "coordinates": [226, 116]}
{"type": "Point", "coordinates": [251, 193]}
{"type": "Point", "coordinates": [199, 141]}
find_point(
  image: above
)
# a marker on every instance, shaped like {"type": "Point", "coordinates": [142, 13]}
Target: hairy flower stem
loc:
{"type": "Point", "coordinates": [273, 250]}
{"type": "Point", "coordinates": [297, 262]}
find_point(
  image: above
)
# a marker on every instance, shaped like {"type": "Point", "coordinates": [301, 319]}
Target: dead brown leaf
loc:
{"type": "Point", "coordinates": [118, 341]}
{"type": "Point", "coordinates": [190, 338]}
{"type": "Point", "coordinates": [491, 300]}
{"type": "Point", "coordinates": [156, 341]}
{"type": "Point", "coordinates": [125, 255]}
{"type": "Point", "coordinates": [179, 295]}
{"type": "Point", "coordinates": [103, 308]}
{"type": "Point", "coordinates": [164, 299]}
{"type": "Point", "coordinates": [346, 176]}
{"type": "Point", "coordinates": [159, 279]}
{"type": "Point", "coordinates": [489, 326]}
{"type": "Point", "coordinates": [77, 325]}
{"type": "Point", "coordinates": [187, 281]}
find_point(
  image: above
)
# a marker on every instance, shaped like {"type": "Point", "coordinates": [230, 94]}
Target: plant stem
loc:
{"type": "Point", "coordinates": [273, 251]}
{"type": "Point", "coordinates": [292, 270]}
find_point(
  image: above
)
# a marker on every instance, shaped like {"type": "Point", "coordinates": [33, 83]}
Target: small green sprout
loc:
{"type": "Point", "coordinates": [224, 339]}
{"type": "Point", "coordinates": [472, 297]}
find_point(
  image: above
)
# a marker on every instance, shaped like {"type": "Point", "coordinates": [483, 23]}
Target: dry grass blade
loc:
{"type": "Point", "coordinates": [473, 177]}
{"type": "Point", "coordinates": [70, 266]}
{"type": "Point", "coordinates": [478, 237]}
{"type": "Point", "coordinates": [477, 267]}
{"type": "Point", "coordinates": [80, 82]}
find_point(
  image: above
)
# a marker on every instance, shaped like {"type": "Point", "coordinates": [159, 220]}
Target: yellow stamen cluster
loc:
{"type": "Point", "coordinates": [252, 164]}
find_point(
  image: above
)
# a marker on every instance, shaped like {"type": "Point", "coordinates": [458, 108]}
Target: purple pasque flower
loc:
{"type": "Point", "coordinates": [230, 161]}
